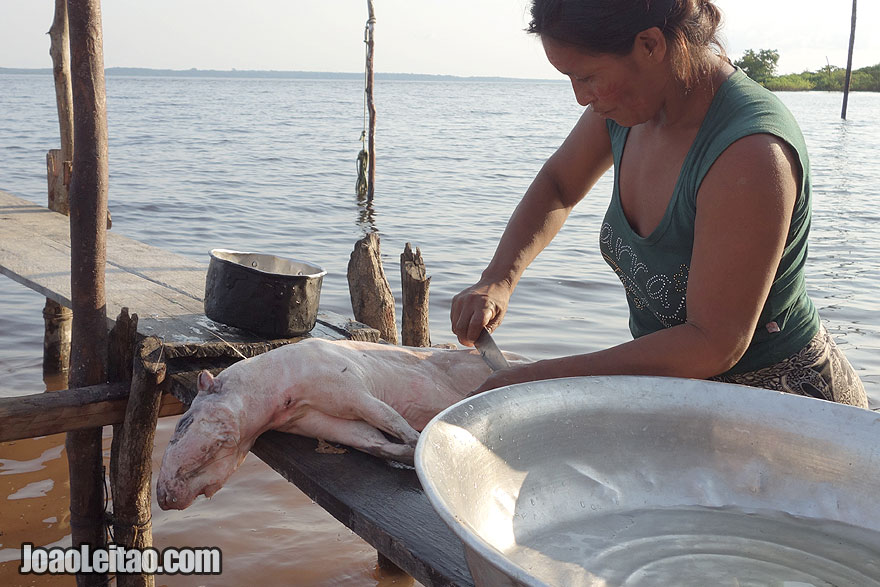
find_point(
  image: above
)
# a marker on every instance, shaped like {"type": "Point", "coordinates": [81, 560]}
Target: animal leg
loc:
{"type": "Point", "coordinates": [354, 433]}
{"type": "Point", "coordinates": [384, 417]}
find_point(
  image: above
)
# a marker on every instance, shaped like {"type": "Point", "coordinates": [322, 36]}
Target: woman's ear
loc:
{"type": "Point", "coordinates": [650, 44]}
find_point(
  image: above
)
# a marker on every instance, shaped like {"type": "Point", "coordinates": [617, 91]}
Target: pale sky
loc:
{"type": "Point", "coordinates": [456, 37]}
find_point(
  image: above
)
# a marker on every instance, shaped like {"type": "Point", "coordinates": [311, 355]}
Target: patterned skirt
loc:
{"type": "Point", "coordinates": [819, 370]}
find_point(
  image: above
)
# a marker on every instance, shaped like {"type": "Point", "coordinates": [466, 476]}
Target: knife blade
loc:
{"type": "Point", "coordinates": [490, 352]}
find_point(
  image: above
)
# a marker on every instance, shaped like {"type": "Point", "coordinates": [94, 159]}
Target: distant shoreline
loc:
{"type": "Point", "coordinates": [273, 74]}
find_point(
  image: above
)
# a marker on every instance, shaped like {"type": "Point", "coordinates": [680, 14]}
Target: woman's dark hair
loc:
{"type": "Point", "coordinates": [611, 26]}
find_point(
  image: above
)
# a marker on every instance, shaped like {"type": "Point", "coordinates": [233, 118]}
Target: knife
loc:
{"type": "Point", "coordinates": [489, 351]}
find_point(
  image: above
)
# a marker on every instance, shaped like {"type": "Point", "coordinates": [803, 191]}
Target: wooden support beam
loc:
{"type": "Point", "coordinates": [88, 237]}
{"type": "Point", "coordinates": [28, 416]}
{"type": "Point", "coordinates": [132, 527]}
{"type": "Point", "coordinates": [414, 286]}
{"type": "Point", "coordinates": [371, 299]}
{"type": "Point", "coordinates": [88, 196]}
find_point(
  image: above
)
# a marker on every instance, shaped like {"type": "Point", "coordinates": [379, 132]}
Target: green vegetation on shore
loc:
{"type": "Point", "coordinates": [761, 67]}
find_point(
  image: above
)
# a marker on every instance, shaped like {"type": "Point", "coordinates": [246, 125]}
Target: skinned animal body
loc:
{"type": "Point", "coordinates": [344, 391]}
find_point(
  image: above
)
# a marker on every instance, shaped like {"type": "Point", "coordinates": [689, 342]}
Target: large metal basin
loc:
{"type": "Point", "coordinates": [657, 481]}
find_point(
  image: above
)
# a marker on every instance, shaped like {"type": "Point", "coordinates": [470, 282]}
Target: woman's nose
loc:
{"type": "Point", "coordinates": [581, 93]}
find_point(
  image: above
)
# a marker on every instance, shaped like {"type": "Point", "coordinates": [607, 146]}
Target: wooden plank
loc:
{"type": "Point", "coordinates": [381, 503]}
{"type": "Point", "coordinates": [164, 289]}
{"type": "Point", "coordinates": [53, 412]}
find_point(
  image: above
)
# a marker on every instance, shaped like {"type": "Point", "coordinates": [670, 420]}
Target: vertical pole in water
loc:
{"type": "Point", "coordinates": [88, 234]}
{"type": "Point", "coordinates": [414, 288]}
{"type": "Point", "coordinates": [371, 106]}
{"type": "Point", "coordinates": [852, 41]}
{"type": "Point", "coordinates": [56, 341]}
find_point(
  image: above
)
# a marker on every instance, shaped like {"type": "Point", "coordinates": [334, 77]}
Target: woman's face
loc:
{"type": "Point", "coordinates": [614, 86]}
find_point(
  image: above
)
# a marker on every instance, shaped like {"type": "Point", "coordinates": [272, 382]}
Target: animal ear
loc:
{"type": "Point", "coordinates": [207, 383]}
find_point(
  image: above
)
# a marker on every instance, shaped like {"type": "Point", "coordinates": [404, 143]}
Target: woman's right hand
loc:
{"type": "Point", "coordinates": [482, 304]}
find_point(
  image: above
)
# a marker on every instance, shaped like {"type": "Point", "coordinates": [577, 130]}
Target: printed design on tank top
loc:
{"type": "Point", "coordinates": [663, 295]}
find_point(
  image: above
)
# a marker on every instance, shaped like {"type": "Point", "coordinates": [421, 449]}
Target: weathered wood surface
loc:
{"type": "Point", "coordinates": [59, 51]}
{"type": "Point", "coordinates": [88, 230]}
{"type": "Point", "coordinates": [415, 285]}
{"type": "Point", "coordinates": [371, 299]}
{"type": "Point", "coordinates": [383, 504]}
{"type": "Point", "coordinates": [53, 412]}
{"type": "Point", "coordinates": [58, 321]}
{"type": "Point", "coordinates": [132, 526]}
{"type": "Point", "coordinates": [164, 289]}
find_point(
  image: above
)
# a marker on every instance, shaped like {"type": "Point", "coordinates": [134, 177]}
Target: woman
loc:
{"type": "Point", "coordinates": [708, 221]}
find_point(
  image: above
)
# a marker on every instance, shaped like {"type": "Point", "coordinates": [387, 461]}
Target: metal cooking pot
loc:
{"type": "Point", "coordinates": [271, 296]}
{"type": "Point", "coordinates": [656, 481]}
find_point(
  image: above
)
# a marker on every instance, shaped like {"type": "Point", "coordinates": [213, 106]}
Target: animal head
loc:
{"type": "Point", "coordinates": [205, 449]}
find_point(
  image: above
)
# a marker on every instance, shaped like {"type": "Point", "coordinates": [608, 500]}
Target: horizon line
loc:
{"type": "Point", "coordinates": [194, 71]}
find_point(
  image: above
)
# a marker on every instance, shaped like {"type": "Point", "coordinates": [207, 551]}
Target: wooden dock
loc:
{"type": "Point", "coordinates": [382, 503]}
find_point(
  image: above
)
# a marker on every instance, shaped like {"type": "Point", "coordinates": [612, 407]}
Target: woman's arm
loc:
{"type": "Point", "coordinates": [744, 210]}
{"type": "Point", "coordinates": [560, 184]}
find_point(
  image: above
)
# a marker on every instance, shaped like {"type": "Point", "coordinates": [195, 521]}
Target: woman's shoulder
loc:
{"type": "Point", "coordinates": [743, 106]}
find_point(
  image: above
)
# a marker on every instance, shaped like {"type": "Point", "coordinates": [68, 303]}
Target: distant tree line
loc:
{"type": "Point", "coordinates": [761, 67]}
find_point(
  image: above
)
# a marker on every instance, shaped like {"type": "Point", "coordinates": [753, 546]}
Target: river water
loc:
{"type": "Point", "coordinates": [269, 165]}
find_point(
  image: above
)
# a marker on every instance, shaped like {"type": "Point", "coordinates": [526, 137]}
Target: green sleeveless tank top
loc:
{"type": "Point", "coordinates": [654, 269]}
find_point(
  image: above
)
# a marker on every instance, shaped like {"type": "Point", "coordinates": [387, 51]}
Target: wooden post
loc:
{"type": "Point", "coordinates": [56, 338]}
{"type": "Point", "coordinates": [121, 346]}
{"type": "Point", "coordinates": [132, 457]}
{"type": "Point", "coordinates": [59, 50]}
{"type": "Point", "coordinates": [120, 361]}
{"type": "Point", "coordinates": [371, 105]}
{"type": "Point", "coordinates": [56, 341]}
{"type": "Point", "coordinates": [852, 42]}
{"type": "Point", "coordinates": [371, 299]}
{"type": "Point", "coordinates": [414, 286]}
{"type": "Point", "coordinates": [88, 233]}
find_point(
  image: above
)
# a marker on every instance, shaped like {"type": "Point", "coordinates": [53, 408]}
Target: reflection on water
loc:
{"type": "Point", "coordinates": [366, 215]}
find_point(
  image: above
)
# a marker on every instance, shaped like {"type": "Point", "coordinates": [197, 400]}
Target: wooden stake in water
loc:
{"type": "Point", "coordinates": [371, 164]}
{"type": "Point", "coordinates": [56, 340]}
{"type": "Point", "coordinates": [852, 41]}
